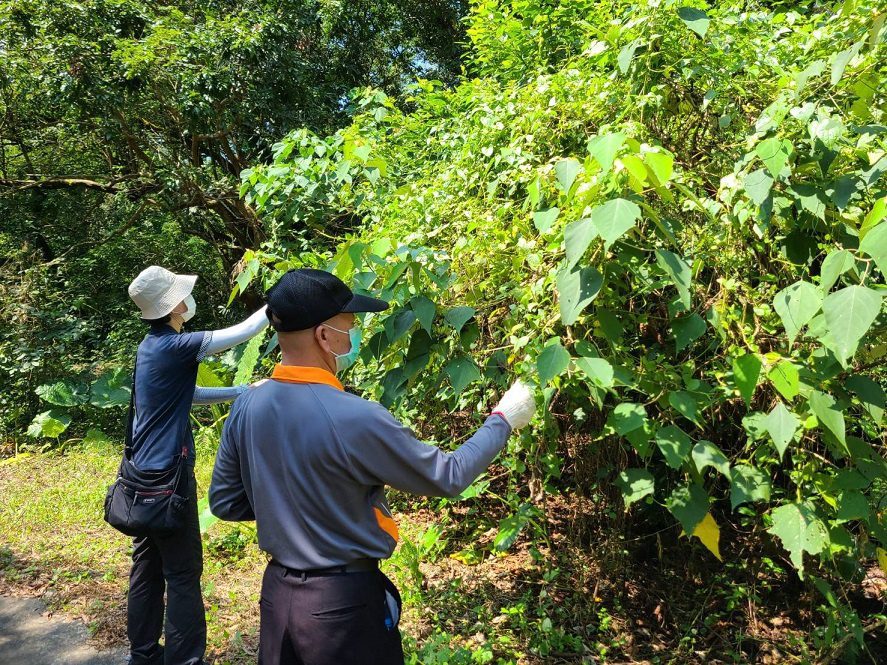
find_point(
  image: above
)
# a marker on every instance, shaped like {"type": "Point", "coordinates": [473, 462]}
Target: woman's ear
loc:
{"type": "Point", "coordinates": [180, 308]}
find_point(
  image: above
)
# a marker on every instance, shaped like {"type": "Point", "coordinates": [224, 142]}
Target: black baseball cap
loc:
{"type": "Point", "coordinates": [304, 298]}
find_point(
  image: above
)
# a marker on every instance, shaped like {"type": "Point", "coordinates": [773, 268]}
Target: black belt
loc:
{"type": "Point", "coordinates": [358, 566]}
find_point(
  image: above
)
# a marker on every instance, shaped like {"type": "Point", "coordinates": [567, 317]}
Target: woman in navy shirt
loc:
{"type": "Point", "coordinates": [165, 388]}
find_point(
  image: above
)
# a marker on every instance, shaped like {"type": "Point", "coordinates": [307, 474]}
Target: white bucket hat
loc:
{"type": "Point", "coordinates": [157, 291]}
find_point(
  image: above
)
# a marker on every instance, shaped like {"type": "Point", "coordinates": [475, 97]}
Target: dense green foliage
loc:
{"type": "Point", "coordinates": [673, 221]}
{"type": "Point", "coordinates": [671, 218]}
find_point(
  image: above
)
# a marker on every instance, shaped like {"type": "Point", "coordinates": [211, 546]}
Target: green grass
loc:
{"type": "Point", "coordinates": [55, 540]}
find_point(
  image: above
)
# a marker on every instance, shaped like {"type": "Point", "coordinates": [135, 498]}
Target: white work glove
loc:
{"type": "Point", "coordinates": [517, 405]}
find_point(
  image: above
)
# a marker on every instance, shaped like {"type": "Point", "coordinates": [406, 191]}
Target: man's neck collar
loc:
{"type": "Point", "coordinates": [306, 374]}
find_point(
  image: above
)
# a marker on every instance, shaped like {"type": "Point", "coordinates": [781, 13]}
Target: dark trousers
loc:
{"type": "Point", "coordinates": [330, 619]}
{"type": "Point", "coordinates": [172, 563]}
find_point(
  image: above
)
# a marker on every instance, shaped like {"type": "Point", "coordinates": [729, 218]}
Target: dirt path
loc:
{"type": "Point", "coordinates": [29, 635]}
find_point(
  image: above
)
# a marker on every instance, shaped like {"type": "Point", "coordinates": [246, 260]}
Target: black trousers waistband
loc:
{"type": "Point", "coordinates": [357, 566]}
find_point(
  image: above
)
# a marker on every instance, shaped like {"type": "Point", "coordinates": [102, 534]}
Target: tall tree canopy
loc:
{"type": "Point", "coordinates": [162, 105]}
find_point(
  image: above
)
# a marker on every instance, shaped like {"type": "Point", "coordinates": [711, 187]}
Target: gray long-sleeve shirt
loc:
{"type": "Point", "coordinates": [206, 395]}
{"type": "Point", "coordinates": [309, 463]}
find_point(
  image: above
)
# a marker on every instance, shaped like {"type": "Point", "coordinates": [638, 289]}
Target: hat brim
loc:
{"type": "Point", "coordinates": [359, 304]}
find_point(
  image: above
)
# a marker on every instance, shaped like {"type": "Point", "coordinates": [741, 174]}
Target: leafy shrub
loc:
{"type": "Point", "coordinates": [671, 218]}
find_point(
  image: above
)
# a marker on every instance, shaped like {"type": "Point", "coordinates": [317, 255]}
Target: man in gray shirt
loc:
{"type": "Point", "coordinates": [309, 462]}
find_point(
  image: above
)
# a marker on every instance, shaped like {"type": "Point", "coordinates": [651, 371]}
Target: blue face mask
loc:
{"type": "Point", "coordinates": [346, 360]}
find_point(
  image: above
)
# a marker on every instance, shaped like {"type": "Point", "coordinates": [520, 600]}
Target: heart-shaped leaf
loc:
{"type": "Point", "coordinates": [828, 414]}
{"type": "Point", "coordinates": [748, 484]}
{"type": "Point", "coordinates": [635, 484]}
{"type": "Point", "coordinates": [785, 378]}
{"type": "Point", "coordinates": [796, 305]}
{"type": "Point", "coordinates": [459, 316]}
{"type": "Point", "coordinates": [543, 219]}
{"type": "Point", "coordinates": [425, 310]}
{"type": "Point", "coordinates": [552, 362]}
{"type": "Point", "coordinates": [774, 153]}
{"type": "Point", "coordinates": [597, 369]}
{"type": "Point", "coordinates": [757, 186]}
{"type": "Point", "coordinates": [695, 19]}
{"type": "Point", "coordinates": [577, 238]}
{"type": "Point", "coordinates": [604, 148]}
{"type": "Point", "coordinates": [849, 313]}
{"type": "Point", "coordinates": [781, 425]}
{"type": "Point", "coordinates": [746, 370]}
{"type": "Point", "coordinates": [462, 371]}
{"type": "Point", "coordinates": [565, 172]}
{"type": "Point", "coordinates": [689, 505]}
{"type": "Point", "coordinates": [835, 265]}
{"type": "Point", "coordinates": [800, 530]}
{"type": "Point", "coordinates": [675, 445]}
{"type": "Point", "coordinates": [705, 454]}
{"type": "Point", "coordinates": [614, 218]}
{"type": "Point", "coordinates": [661, 165]}
{"type": "Point", "coordinates": [687, 329]}
{"type": "Point", "coordinates": [397, 324]}
{"type": "Point", "coordinates": [627, 417]}
{"type": "Point", "coordinates": [576, 289]}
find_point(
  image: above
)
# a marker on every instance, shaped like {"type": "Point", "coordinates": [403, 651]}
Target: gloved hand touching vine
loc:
{"type": "Point", "coordinates": [517, 405]}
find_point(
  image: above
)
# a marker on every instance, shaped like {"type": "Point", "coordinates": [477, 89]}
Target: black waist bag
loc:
{"type": "Point", "coordinates": [141, 503]}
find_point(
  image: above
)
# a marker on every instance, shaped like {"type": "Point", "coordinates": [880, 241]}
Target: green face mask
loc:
{"type": "Point", "coordinates": [346, 360]}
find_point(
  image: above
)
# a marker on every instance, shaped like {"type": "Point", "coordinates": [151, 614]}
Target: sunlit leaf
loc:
{"type": "Point", "coordinates": [597, 369]}
{"type": "Point", "coordinates": [612, 219]}
{"type": "Point", "coordinates": [706, 454]}
{"type": "Point", "coordinates": [695, 19]}
{"type": "Point", "coordinates": [552, 362]}
{"type": "Point", "coordinates": [635, 485]}
{"type": "Point", "coordinates": [675, 445]}
{"type": "Point", "coordinates": [796, 305]}
{"type": "Point", "coordinates": [800, 530]}
{"type": "Point", "coordinates": [543, 219]}
{"type": "Point", "coordinates": [828, 414]}
{"type": "Point", "coordinates": [785, 378]}
{"type": "Point", "coordinates": [774, 153]}
{"type": "Point", "coordinates": [875, 245]}
{"type": "Point", "coordinates": [849, 313]}
{"type": "Point", "coordinates": [709, 534]}
{"type": "Point", "coordinates": [49, 424]}
{"type": "Point", "coordinates": [604, 148]}
{"type": "Point", "coordinates": [757, 185]}
{"type": "Point", "coordinates": [746, 370]}
{"type": "Point", "coordinates": [781, 425]}
{"type": "Point", "coordinates": [565, 172]}
{"type": "Point", "coordinates": [577, 238]}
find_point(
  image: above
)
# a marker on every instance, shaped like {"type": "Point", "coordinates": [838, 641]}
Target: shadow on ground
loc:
{"type": "Point", "coordinates": [28, 634]}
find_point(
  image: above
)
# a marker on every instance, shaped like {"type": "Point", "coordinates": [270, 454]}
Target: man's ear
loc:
{"type": "Point", "coordinates": [321, 337]}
